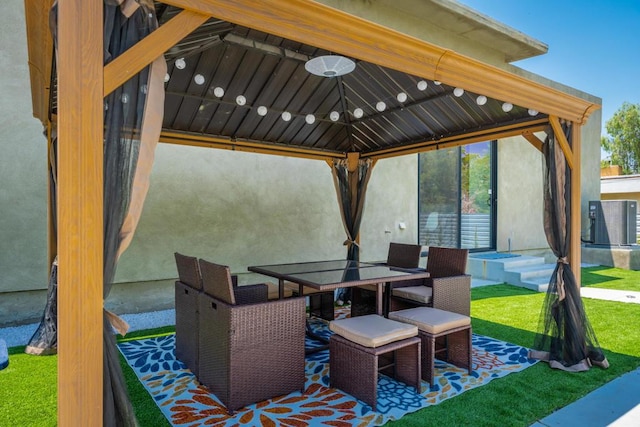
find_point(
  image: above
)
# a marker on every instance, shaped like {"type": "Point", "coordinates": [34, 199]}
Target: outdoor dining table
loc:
{"type": "Point", "coordinates": [335, 274]}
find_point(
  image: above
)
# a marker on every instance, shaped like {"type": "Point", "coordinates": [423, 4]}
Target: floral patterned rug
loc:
{"type": "Point", "coordinates": [185, 402]}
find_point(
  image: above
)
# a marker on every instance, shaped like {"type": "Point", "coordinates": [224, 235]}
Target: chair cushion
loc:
{"type": "Point", "coordinates": [372, 330]}
{"type": "Point", "coordinates": [421, 294]}
{"type": "Point", "coordinates": [431, 320]}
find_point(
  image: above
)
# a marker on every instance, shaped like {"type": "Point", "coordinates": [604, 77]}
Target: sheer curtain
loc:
{"type": "Point", "coordinates": [565, 338]}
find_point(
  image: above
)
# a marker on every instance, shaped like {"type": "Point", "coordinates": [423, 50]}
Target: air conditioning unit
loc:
{"type": "Point", "coordinates": [613, 222]}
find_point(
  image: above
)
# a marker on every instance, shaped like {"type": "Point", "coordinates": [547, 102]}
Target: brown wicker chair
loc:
{"type": "Point", "coordinates": [252, 352]}
{"type": "Point", "coordinates": [187, 288]}
{"type": "Point", "coordinates": [448, 288]}
{"type": "Point", "coordinates": [401, 255]}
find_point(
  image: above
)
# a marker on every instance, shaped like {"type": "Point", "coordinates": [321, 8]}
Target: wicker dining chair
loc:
{"type": "Point", "coordinates": [187, 288]}
{"type": "Point", "coordinates": [448, 287]}
{"type": "Point", "coordinates": [252, 352]}
{"type": "Point", "coordinates": [401, 255]}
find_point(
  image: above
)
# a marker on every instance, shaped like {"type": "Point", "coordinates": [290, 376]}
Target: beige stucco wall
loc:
{"type": "Point", "coordinates": [23, 164]}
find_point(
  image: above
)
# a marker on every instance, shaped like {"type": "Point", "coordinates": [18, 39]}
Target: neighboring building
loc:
{"type": "Point", "coordinates": [621, 187]}
{"type": "Point", "coordinates": [243, 209]}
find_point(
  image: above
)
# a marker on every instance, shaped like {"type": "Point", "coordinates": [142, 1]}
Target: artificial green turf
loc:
{"type": "Point", "coordinates": [611, 278]}
{"type": "Point", "coordinates": [28, 386]}
{"type": "Point", "coordinates": [28, 390]}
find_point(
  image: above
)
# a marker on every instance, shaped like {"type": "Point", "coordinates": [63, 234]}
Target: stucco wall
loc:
{"type": "Point", "coordinates": [244, 209]}
{"type": "Point", "coordinates": [23, 164]}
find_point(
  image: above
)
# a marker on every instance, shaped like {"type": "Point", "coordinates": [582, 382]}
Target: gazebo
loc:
{"type": "Point", "coordinates": [379, 93]}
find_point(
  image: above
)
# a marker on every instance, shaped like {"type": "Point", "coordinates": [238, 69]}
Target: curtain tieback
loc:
{"type": "Point", "coordinates": [560, 278]}
{"type": "Point", "coordinates": [350, 242]}
{"type": "Point", "coordinates": [117, 322]}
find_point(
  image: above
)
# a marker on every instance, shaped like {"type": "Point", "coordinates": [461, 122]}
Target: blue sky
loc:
{"type": "Point", "coordinates": [593, 44]}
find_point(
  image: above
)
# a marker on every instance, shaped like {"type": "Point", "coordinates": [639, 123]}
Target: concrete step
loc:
{"type": "Point", "coordinates": [538, 284]}
{"type": "Point", "coordinates": [493, 269]}
{"type": "Point", "coordinates": [524, 273]}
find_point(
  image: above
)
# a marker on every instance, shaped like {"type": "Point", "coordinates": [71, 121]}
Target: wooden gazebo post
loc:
{"type": "Point", "coordinates": [576, 218]}
{"type": "Point", "coordinates": [80, 219]}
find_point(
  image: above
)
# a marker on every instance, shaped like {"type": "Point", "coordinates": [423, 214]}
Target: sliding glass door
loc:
{"type": "Point", "coordinates": [457, 197]}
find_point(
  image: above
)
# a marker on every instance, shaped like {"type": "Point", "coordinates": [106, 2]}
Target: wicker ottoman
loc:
{"type": "Point", "coordinates": [363, 346]}
{"type": "Point", "coordinates": [444, 335]}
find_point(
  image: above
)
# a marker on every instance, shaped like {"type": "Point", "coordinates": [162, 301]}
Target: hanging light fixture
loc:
{"type": "Point", "coordinates": [458, 92]}
{"type": "Point", "coordinates": [507, 106]}
{"type": "Point", "coordinates": [180, 63]}
{"type": "Point", "coordinates": [330, 66]}
{"type": "Point", "coordinates": [358, 113]}
{"type": "Point", "coordinates": [481, 100]}
{"type": "Point", "coordinates": [218, 92]}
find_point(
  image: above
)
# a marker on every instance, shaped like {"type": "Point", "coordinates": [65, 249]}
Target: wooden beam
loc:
{"type": "Point", "coordinates": [146, 50]}
{"type": "Point", "coordinates": [246, 146]}
{"type": "Point", "coordinates": [534, 140]}
{"type": "Point", "coordinates": [309, 22]}
{"type": "Point", "coordinates": [80, 305]}
{"type": "Point", "coordinates": [575, 248]}
{"type": "Point", "coordinates": [467, 138]}
{"type": "Point", "coordinates": [562, 140]}
{"type": "Point", "coordinates": [40, 48]}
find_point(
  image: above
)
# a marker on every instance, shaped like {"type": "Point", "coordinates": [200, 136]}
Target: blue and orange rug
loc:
{"type": "Point", "coordinates": [185, 402]}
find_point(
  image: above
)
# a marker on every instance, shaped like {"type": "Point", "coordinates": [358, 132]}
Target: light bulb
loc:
{"type": "Point", "coordinates": [533, 112]}
{"type": "Point", "coordinates": [124, 98]}
{"type": "Point", "coordinates": [286, 116]}
{"type": "Point", "coordinates": [167, 77]}
{"type": "Point", "coordinates": [422, 85]}
{"type": "Point", "coordinates": [507, 106]}
{"type": "Point", "coordinates": [458, 92]}
{"type": "Point", "coordinates": [199, 79]}
{"type": "Point", "coordinates": [218, 92]}
{"type": "Point", "coordinates": [144, 89]}
{"type": "Point", "coordinates": [437, 82]}
{"type": "Point", "coordinates": [358, 113]}
{"type": "Point", "coordinates": [481, 100]}
{"type": "Point", "coordinates": [334, 116]}
{"type": "Point", "coordinates": [262, 110]}
{"type": "Point", "coordinates": [310, 119]}
{"type": "Point", "coordinates": [381, 106]}
{"type": "Point", "coordinates": [401, 97]}
{"type": "Point", "coordinates": [180, 63]}
{"type": "Point", "coordinates": [241, 100]}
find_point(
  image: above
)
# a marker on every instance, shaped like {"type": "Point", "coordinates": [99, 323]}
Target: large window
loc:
{"type": "Point", "coordinates": [457, 197]}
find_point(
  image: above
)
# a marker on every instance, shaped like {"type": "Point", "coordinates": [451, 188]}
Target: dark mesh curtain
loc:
{"type": "Point", "coordinates": [351, 187]}
{"type": "Point", "coordinates": [45, 339]}
{"type": "Point", "coordinates": [566, 340]}
{"type": "Point", "coordinates": [132, 123]}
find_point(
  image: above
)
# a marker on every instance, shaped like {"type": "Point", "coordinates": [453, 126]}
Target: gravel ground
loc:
{"type": "Point", "coordinates": [20, 335]}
